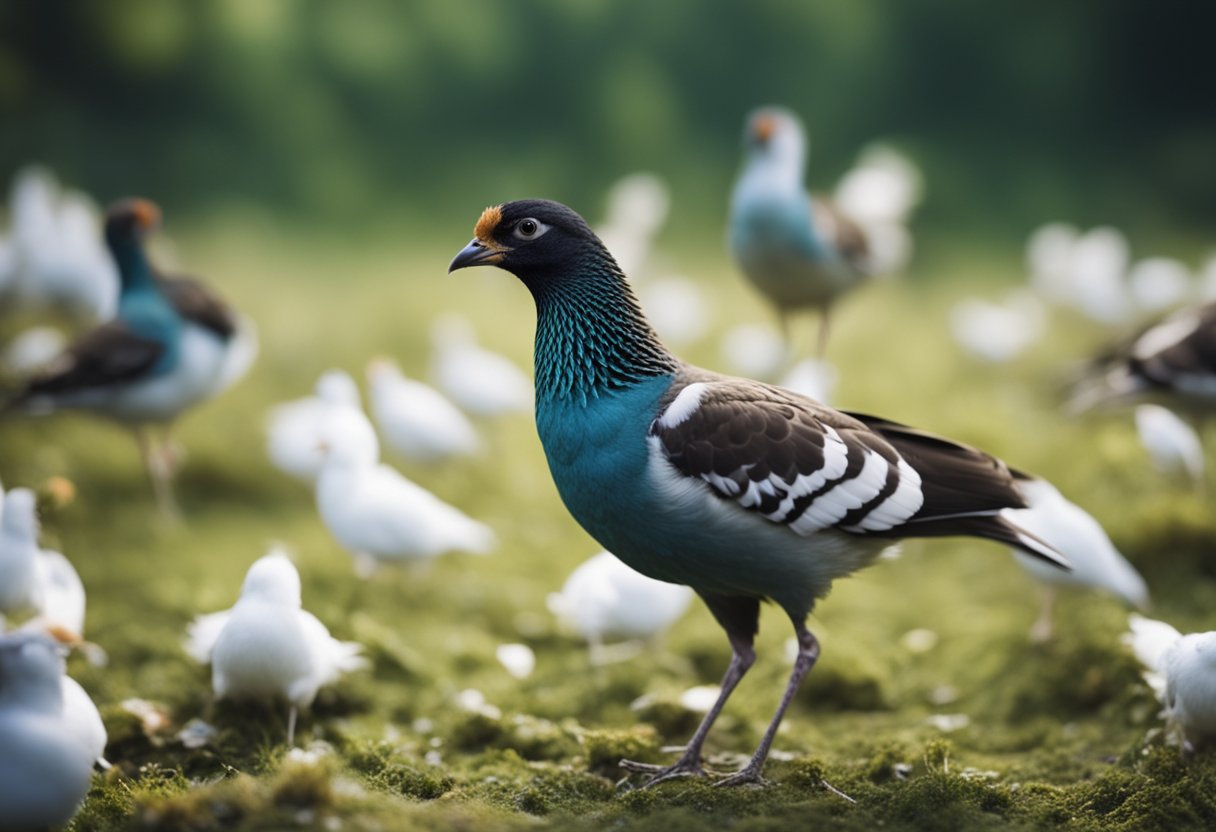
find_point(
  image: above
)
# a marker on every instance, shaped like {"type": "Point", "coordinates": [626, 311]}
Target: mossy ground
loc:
{"type": "Point", "coordinates": [1060, 735]}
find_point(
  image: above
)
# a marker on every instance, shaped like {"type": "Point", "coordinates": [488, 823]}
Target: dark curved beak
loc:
{"type": "Point", "coordinates": [475, 253]}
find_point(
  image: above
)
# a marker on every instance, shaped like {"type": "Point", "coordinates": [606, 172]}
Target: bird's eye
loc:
{"type": "Point", "coordinates": [530, 229]}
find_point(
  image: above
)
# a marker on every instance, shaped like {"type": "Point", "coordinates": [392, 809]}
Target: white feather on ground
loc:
{"type": "Point", "coordinates": [1172, 444]}
{"type": "Point", "coordinates": [415, 419]}
{"type": "Point", "coordinates": [267, 646]}
{"type": "Point", "coordinates": [480, 381]}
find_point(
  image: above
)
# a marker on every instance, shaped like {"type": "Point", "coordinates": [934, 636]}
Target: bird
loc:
{"type": "Point", "coordinates": [1174, 445]}
{"type": "Point", "coordinates": [1181, 670]}
{"type": "Point", "coordinates": [604, 600]}
{"type": "Point", "coordinates": [267, 645]}
{"type": "Point", "coordinates": [742, 490]}
{"type": "Point", "coordinates": [46, 763]}
{"type": "Point", "coordinates": [480, 381]}
{"type": "Point", "coordinates": [1096, 563]}
{"type": "Point", "coordinates": [802, 251]}
{"type": "Point", "coordinates": [171, 345]}
{"type": "Point", "coordinates": [294, 429]}
{"type": "Point", "coordinates": [32, 579]}
{"type": "Point", "coordinates": [998, 332]}
{"type": "Point", "coordinates": [415, 419]}
{"type": "Point", "coordinates": [59, 262]}
{"type": "Point", "coordinates": [1171, 362]}
{"type": "Point", "coordinates": [379, 515]}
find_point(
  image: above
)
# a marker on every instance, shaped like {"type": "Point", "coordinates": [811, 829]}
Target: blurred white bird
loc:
{"type": "Point", "coordinates": [753, 350]}
{"type": "Point", "coordinates": [879, 193]}
{"type": "Point", "coordinates": [1157, 283]}
{"type": "Point", "coordinates": [379, 516]}
{"type": "Point", "coordinates": [32, 349]}
{"type": "Point", "coordinates": [294, 429]}
{"type": "Point", "coordinates": [813, 377]}
{"type": "Point", "coordinates": [677, 308]}
{"type": "Point", "coordinates": [637, 207]}
{"type": "Point", "coordinates": [998, 332]}
{"type": "Point", "coordinates": [1173, 444]}
{"type": "Point", "coordinates": [1049, 260]}
{"type": "Point", "coordinates": [33, 579]}
{"type": "Point", "coordinates": [61, 261]}
{"type": "Point", "coordinates": [604, 600]}
{"type": "Point", "coordinates": [415, 419]}
{"type": "Point", "coordinates": [1098, 275]}
{"type": "Point", "coordinates": [478, 380]}
{"type": "Point", "coordinates": [1096, 563]}
{"type": "Point", "coordinates": [1181, 670]}
{"type": "Point", "coordinates": [46, 756]}
{"type": "Point", "coordinates": [267, 645]}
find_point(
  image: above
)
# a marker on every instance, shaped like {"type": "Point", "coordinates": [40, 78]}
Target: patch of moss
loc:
{"type": "Point", "coordinates": [384, 768]}
{"type": "Point", "coordinates": [606, 748]}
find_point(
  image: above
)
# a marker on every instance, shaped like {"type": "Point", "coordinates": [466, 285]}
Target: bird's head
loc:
{"type": "Point", "coordinates": [20, 514]}
{"type": "Point", "coordinates": [532, 239]}
{"type": "Point", "coordinates": [30, 661]}
{"type": "Point", "coordinates": [274, 578]}
{"type": "Point", "coordinates": [774, 132]}
{"type": "Point", "coordinates": [131, 220]}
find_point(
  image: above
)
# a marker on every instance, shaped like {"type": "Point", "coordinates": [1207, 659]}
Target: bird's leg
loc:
{"type": "Point", "coordinates": [159, 474]}
{"type": "Point", "coordinates": [689, 764]}
{"type": "Point", "coordinates": [291, 726]}
{"type": "Point", "coordinates": [1044, 625]}
{"type": "Point", "coordinates": [808, 652]}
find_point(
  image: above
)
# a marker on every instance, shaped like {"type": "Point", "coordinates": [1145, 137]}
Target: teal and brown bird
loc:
{"type": "Point", "coordinates": [802, 251]}
{"type": "Point", "coordinates": [742, 490]}
{"type": "Point", "coordinates": [172, 344]}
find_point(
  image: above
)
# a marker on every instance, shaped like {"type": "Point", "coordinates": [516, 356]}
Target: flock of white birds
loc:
{"type": "Point", "coordinates": [268, 646]}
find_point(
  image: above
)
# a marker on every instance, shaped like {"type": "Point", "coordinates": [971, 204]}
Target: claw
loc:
{"type": "Point", "coordinates": [661, 774]}
{"type": "Point", "coordinates": [748, 776]}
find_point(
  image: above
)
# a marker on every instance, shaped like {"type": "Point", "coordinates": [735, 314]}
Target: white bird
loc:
{"type": "Point", "coordinates": [1173, 444]}
{"type": "Point", "coordinates": [266, 645]}
{"type": "Point", "coordinates": [998, 332]}
{"type": "Point", "coordinates": [1074, 533]}
{"type": "Point", "coordinates": [379, 516]}
{"type": "Point", "coordinates": [879, 193]}
{"type": "Point", "coordinates": [753, 350]}
{"type": "Point", "coordinates": [33, 579]}
{"type": "Point", "coordinates": [1097, 271]}
{"type": "Point", "coordinates": [294, 429]}
{"type": "Point", "coordinates": [678, 308]}
{"type": "Point", "coordinates": [637, 208]}
{"type": "Point", "coordinates": [1049, 260]}
{"type": "Point", "coordinates": [812, 377]}
{"type": "Point", "coordinates": [61, 261]}
{"type": "Point", "coordinates": [1181, 670]}
{"type": "Point", "coordinates": [480, 381]}
{"type": "Point", "coordinates": [32, 349]}
{"type": "Point", "coordinates": [415, 419]}
{"type": "Point", "coordinates": [605, 600]}
{"type": "Point", "coordinates": [45, 764]}
{"type": "Point", "coordinates": [1157, 283]}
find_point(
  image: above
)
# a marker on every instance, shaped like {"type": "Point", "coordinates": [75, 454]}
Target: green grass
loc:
{"type": "Point", "coordinates": [1061, 735]}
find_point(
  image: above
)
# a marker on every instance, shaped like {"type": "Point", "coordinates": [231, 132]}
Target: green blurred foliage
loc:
{"type": "Point", "coordinates": [1020, 112]}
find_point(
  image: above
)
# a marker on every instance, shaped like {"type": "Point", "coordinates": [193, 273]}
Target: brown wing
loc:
{"type": "Point", "coordinates": [845, 235]}
{"type": "Point", "coordinates": [194, 301]}
{"type": "Point", "coordinates": [109, 354]}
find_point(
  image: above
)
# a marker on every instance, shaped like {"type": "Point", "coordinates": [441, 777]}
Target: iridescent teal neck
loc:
{"type": "Point", "coordinates": [591, 335]}
{"type": "Point", "coordinates": [134, 270]}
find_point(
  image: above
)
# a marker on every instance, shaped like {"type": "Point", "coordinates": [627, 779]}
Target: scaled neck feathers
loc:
{"type": "Point", "coordinates": [134, 269]}
{"type": "Point", "coordinates": [591, 335]}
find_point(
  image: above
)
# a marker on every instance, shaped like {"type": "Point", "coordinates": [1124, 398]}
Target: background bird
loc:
{"type": "Point", "coordinates": [380, 516]}
{"type": "Point", "coordinates": [267, 646]}
{"type": "Point", "coordinates": [415, 419]}
{"type": "Point", "coordinates": [45, 763]}
{"type": "Point", "coordinates": [294, 429]}
{"type": "Point", "coordinates": [1181, 670]}
{"type": "Point", "coordinates": [34, 580]}
{"type": "Point", "coordinates": [481, 381]}
{"type": "Point", "coordinates": [604, 600]}
{"type": "Point", "coordinates": [171, 345]}
{"type": "Point", "coordinates": [741, 490]}
{"type": "Point", "coordinates": [801, 251]}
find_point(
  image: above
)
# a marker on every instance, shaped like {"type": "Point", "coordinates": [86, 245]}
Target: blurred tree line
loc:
{"type": "Point", "coordinates": [1019, 112]}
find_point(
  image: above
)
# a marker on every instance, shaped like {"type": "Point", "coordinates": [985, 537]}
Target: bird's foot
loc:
{"type": "Point", "coordinates": [684, 767]}
{"type": "Point", "coordinates": [749, 775]}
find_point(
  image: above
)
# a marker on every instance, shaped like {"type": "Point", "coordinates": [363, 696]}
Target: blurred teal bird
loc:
{"type": "Point", "coordinates": [172, 344]}
{"type": "Point", "coordinates": [742, 490]}
{"type": "Point", "coordinates": [802, 251]}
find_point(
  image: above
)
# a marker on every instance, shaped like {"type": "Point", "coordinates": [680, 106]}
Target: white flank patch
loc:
{"type": "Point", "coordinates": [905, 501]}
{"type": "Point", "coordinates": [684, 405]}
